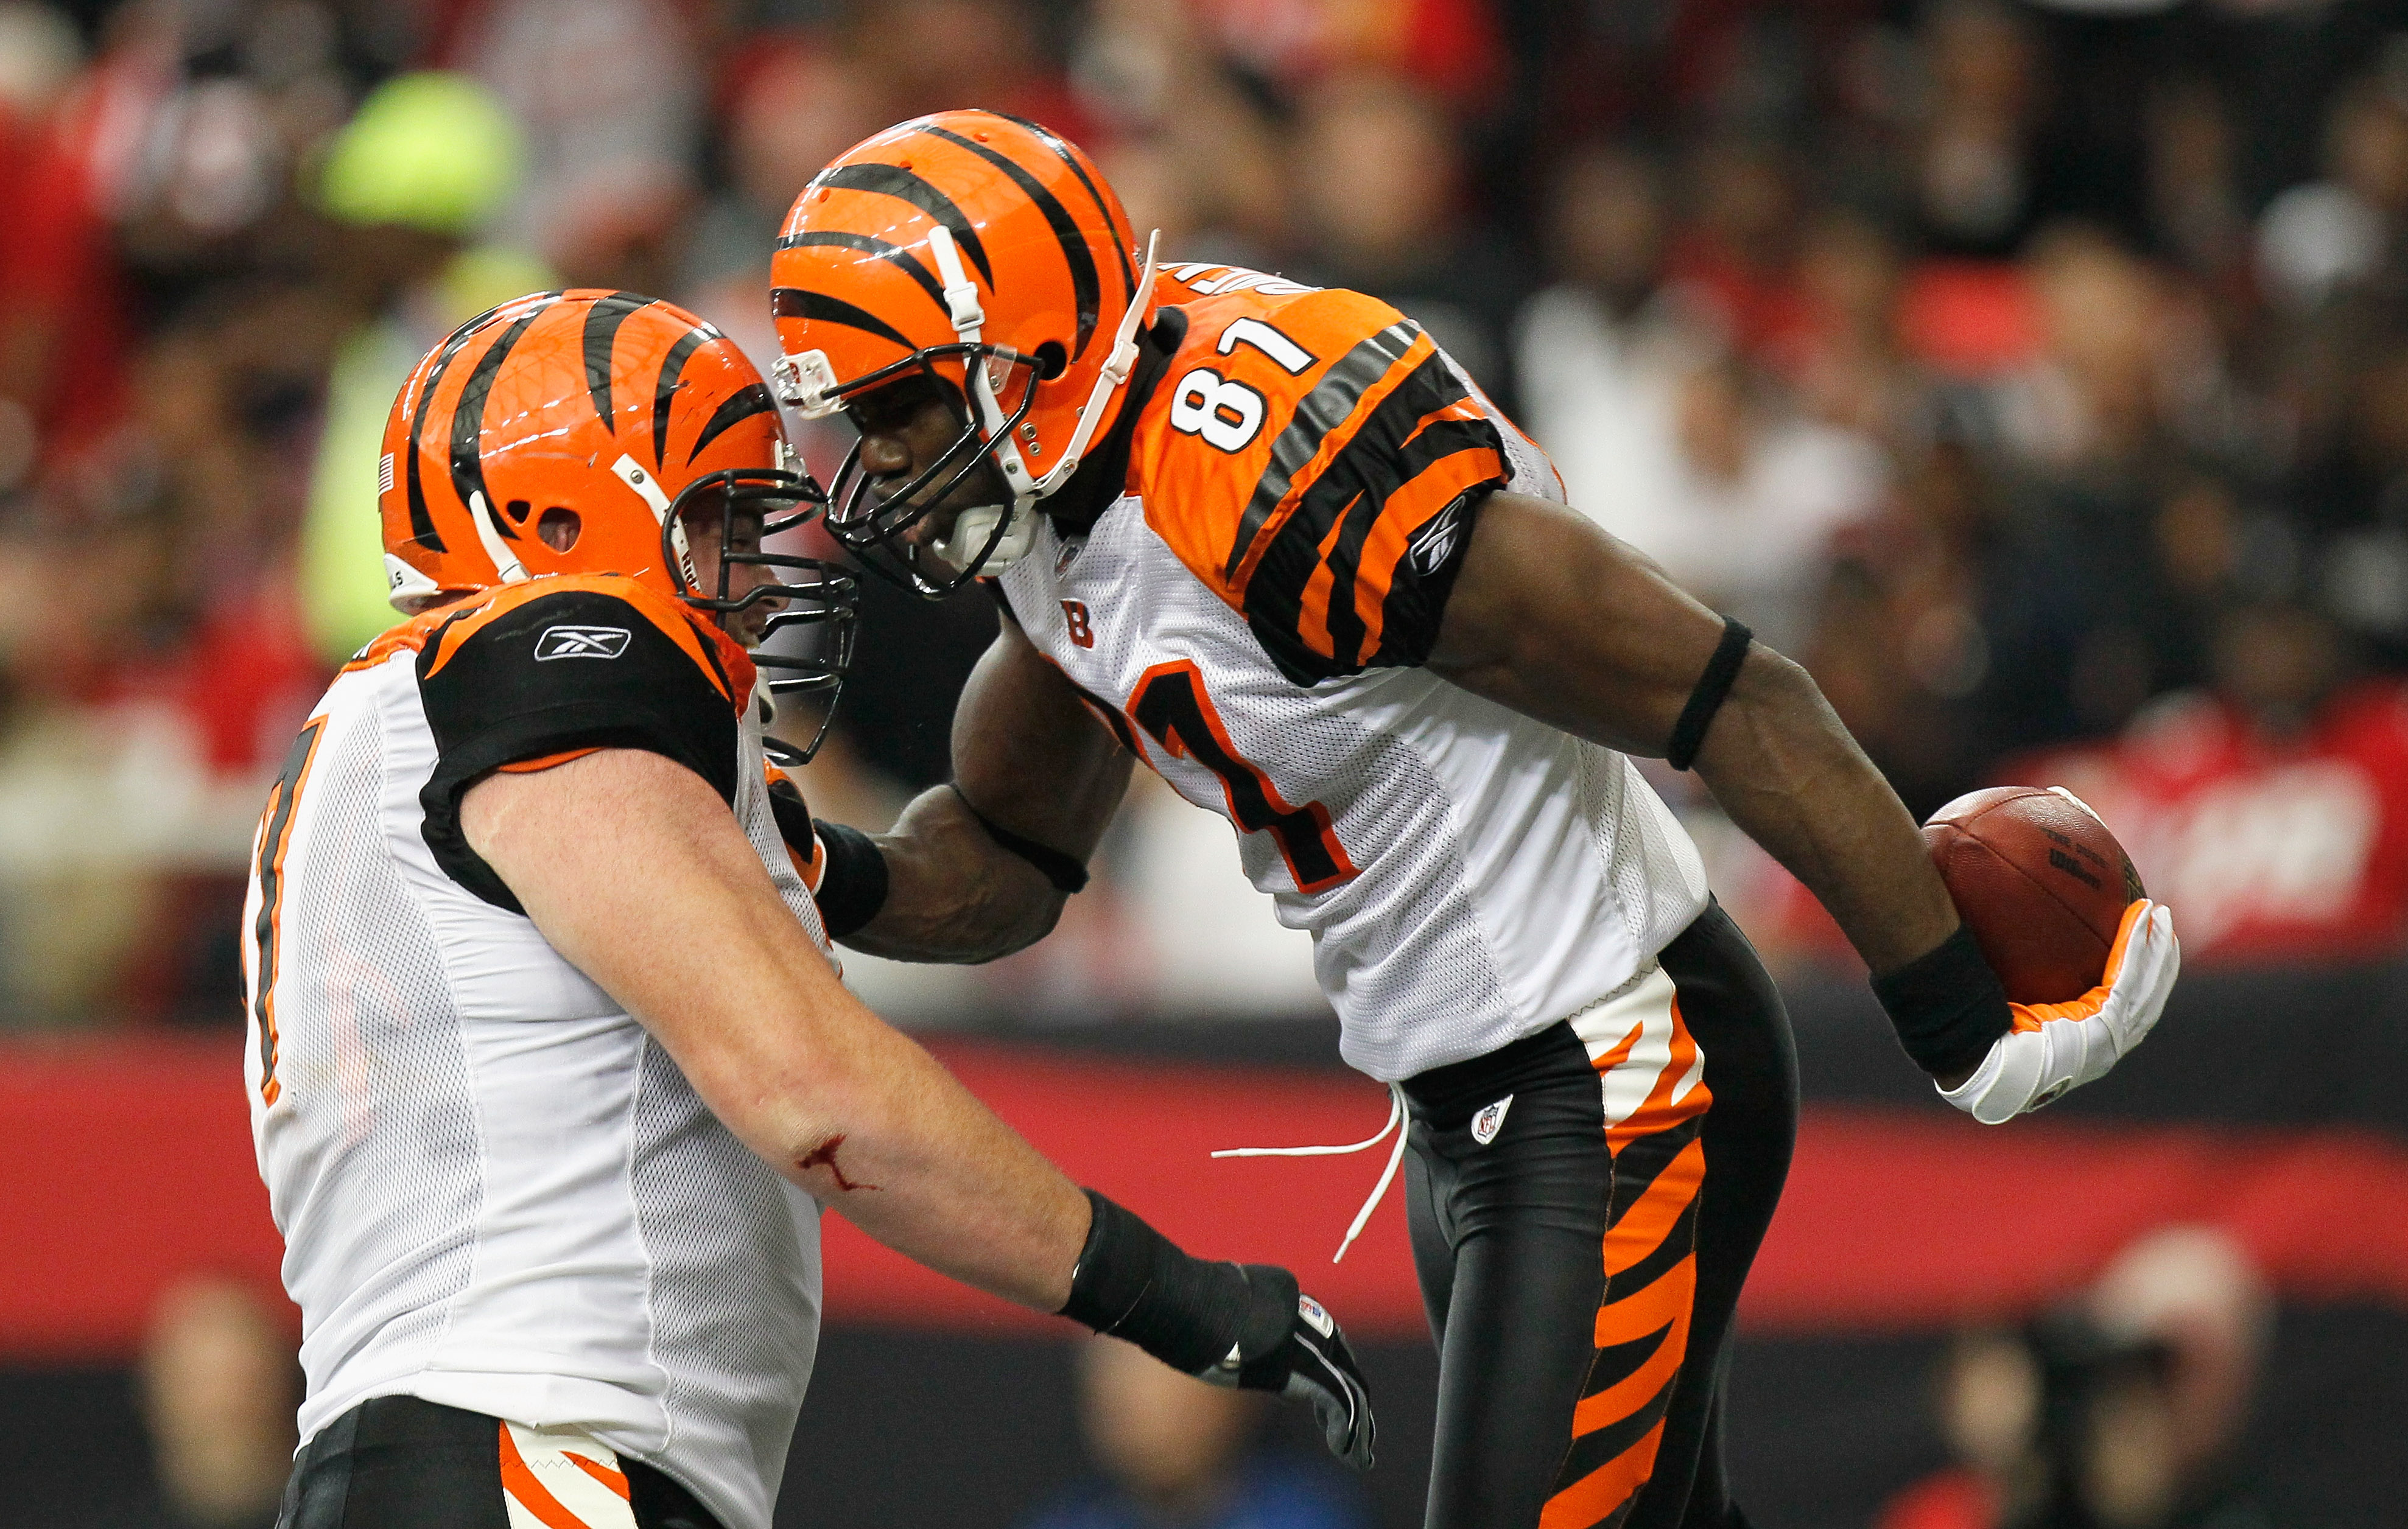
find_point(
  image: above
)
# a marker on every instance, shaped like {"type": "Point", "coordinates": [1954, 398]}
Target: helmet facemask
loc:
{"type": "Point", "coordinates": [871, 519]}
{"type": "Point", "coordinates": [813, 596]}
{"type": "Point", "coordinates": [992, 404]}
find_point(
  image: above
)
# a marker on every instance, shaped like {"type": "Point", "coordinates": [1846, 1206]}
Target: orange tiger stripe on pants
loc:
{"type": "Point", "coordinates": [561, 1480]}
{"type": "Point", "coordinates": [1652, 1072]}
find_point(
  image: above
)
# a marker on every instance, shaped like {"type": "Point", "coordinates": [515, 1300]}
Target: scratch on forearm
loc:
{"type": "Point", "coordinates": [824, 1156]}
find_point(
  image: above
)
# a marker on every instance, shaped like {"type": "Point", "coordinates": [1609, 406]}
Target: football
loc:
{"type": "Point", "coordinates": [2040, 881]}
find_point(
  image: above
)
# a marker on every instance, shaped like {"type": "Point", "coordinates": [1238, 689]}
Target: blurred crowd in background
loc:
{"type": "Point", "coordinates": [2038, 374]}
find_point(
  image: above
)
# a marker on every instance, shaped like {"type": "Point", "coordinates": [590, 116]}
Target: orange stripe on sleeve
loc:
{"type": "Point", "coordinates": [543, 761]}
{"type": "Point", "coordinates": [1407, 510]}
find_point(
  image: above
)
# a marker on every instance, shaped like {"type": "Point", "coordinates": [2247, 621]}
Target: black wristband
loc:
{"type": "Point", "coordinates": [1067, 875]}
{"type": "Point", "coordinates": [1689, 732]}
{"type": "Point", "coordinates": [1946, 1004]}
{"type": "Point", "coordinates": [1135, 1283]}
{"type": "Point", "coordinates": [853, 878]}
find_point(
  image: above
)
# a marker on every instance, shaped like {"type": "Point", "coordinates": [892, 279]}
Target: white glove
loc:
{"type": "Point", "coordinates": [2057, 1047]}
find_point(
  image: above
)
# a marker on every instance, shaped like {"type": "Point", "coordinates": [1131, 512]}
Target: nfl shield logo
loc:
{"type": "Point", "coordinates": [1490, 1121]}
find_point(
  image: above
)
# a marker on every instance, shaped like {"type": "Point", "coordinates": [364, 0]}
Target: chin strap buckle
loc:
{"type": "Point", "coordinates": [961, 293]}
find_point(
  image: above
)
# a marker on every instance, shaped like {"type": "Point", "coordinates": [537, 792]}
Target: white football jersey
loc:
{"type": "Point", "coordinates": [1249, 616]}
{"type": "Point", "coordinates": [496, 1191]}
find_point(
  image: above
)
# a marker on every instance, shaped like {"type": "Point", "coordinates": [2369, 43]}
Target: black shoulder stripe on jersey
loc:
{"type": "Point", "coordinates": [602, 321]}
{"type": "Point", "coordinates": [1408, 614]}
{"type": "Point", "coordinates": [1389, 449]}
{"type": "Point", "coordinates": [739, 407]}
{"type": "Point", "coordinates": [468, 419]}
{"type": "Point", "coordinates": [1382, 475]}
{"type": "Point", "coordinates": [665, 388]}
{"type": "Point", "coordinates": [1362, 470]}
{"type": "Point", "coordinates": [894, 254]}
{"type": "Point", "coordinates": [819, 307]}
{"type": "Point", "coordinates": [1085, 286]}
{"type": "Point", "coordinates": [1324, 409]}
{"type": "Point", "coordinates": [505, 694]}
{"type": "Point", "coordinates": [1418, 595]}
{"type": "Point", "coordinates": [1052, 140]}
{"type": "Point", "coordinates": [895, 181]}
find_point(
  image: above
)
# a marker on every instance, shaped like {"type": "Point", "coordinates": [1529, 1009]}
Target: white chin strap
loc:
{"type": "Point", "coordinates": [958, 548]}
{"type": "Point", "coordinates": [647, 489]}
{"type": "Point", "coordinates": [489, 532]}
{"type": "Point", "coordinates": [972, 528]}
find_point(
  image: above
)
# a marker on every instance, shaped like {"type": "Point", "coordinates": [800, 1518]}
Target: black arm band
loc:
{"type": "Point", "coordinates": [852, 881]}
{"type": "Point", "coordinates": [1946, 1004]}
{"type": "Point", "coordinates": [1689, 733]}
{"type": "Point", "coordinates": [1135, 1283]}
{"type": "Point", "coordinates": [1066, 874]}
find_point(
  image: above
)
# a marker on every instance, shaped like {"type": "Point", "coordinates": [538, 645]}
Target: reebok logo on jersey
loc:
{"type": "Point", "coordinates": [1431, 546]}
{"type": "Point", "coordinates": [580, 642]}
{"type": "Point", "coordinates": [1315, 1316]}
{"type": "Point", "coordinates": [1490, 1121]}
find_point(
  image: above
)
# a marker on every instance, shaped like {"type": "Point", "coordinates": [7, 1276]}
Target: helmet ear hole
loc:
{"type": "Point", "coordinates": [559, 527]}
{"type": "Point", "coordinates": [1051, 359]}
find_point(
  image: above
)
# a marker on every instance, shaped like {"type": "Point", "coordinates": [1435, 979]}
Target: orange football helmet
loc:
{"type": "Point", "coordinates": [986, 253]}
{"type": "Point", "coordinates": [554, 418]}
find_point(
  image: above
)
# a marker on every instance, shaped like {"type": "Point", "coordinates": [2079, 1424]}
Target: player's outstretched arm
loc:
{"type": "Point", "coordinates": [1559, 621]}
{"type": "Point", "coordinates": [635, 870]}
{"type": "Point", "coordinates": [1044, 775]}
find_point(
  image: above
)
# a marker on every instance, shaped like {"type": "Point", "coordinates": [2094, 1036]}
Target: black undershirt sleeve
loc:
{"type": "Point", "coordinates": [580, 669]}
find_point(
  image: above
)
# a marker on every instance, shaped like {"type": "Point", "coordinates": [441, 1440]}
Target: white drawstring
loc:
{"type": "Point", "coordinates": [1396, 1159]}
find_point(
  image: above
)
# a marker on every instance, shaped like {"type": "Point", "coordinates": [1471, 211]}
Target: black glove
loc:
{"type": "Point", "coordinates": [1231, 1325]}
{"type": "Point", "coordinates": [1306, 1358]}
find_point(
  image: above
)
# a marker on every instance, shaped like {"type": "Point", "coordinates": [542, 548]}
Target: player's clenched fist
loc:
{"type": "Point", "coordinates": [2053, 1048]}
{"type": "Point", "coordinates": [1233, 1325]}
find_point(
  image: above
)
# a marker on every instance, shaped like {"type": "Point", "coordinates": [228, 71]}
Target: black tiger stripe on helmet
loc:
{"type": "Point", "coordinates": [977, 251]}
{"type": "Point", "coordinates": [601, 335]}
{"type": "Point", "coordinates": [468, 419]}
{"type": "Point", "coordinates": [1075, 253]}
{"type": "Point", "coordinates": [541, 402]}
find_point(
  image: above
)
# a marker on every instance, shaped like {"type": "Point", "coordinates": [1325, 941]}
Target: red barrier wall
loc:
{"type": "Point", "coordinates": [128, 1163]}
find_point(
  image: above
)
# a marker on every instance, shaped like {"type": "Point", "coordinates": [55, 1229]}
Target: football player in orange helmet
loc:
{"type": "Point", "coordinates": [1031, 368]}
{"type": "Point", "coordinates": [597, 432]}
{"type": "Point", "coordinates": [1270, 540]}
{"type": "Point", "coordinates": [553, 1072]}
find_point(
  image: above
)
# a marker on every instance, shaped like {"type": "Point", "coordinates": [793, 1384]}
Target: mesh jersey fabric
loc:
{"type": "Point", "coordinates": [496, 1192]}
{"type": "Point", "coordinates": [1469, 875]}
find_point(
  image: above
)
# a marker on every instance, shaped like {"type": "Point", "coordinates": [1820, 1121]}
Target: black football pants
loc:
{"type": "Point", "coordinates": [1656, 1129]}
{"type": "Point", "coordinates": [399, 1462]}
